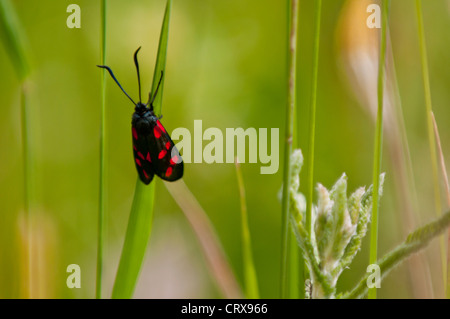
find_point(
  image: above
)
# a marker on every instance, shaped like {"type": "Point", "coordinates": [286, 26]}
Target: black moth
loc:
{"type": "Point", "coordinates": [153, 149]}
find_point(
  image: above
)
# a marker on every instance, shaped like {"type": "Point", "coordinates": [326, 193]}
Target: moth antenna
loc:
{"type": "Point", "coordinates": [117, 82]}
{"type": "Point", "coordinates": [156, 91]}
{"type": "Point", "coordinates": [137, 70]}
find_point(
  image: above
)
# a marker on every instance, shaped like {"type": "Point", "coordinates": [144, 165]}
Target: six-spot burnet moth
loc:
{"type": "Point", "coordinates": [153, 149]}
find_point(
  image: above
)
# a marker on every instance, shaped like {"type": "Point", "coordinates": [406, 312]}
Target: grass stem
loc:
{"type": "Point", "coordinates": [102, 176]}
{"type": "Point", "coordinates": [378, 145]}
{"type": "Point", "coordinates": [289, 126]}
{"type": "Point", "coordinates": [312, 117]}
{"type": "Point", "coordinates": [141, 216]}
{"type": "Point", "coordinates": [429, 110]}
{"type": "Point", "coordinates": [15, 43]}
{"type": "Point", "coordinates": [251, 280]}
{"type": "Point", "coordinates": [447, 192]}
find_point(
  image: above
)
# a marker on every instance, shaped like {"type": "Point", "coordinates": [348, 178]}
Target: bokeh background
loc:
{"type": "Point", "coordinates": [226, 65]}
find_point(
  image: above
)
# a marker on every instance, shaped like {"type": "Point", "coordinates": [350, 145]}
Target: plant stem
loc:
{"type": "Point", "coordinates": [447, 192]}
{"type": "Point", "coordinates": [28, 179]}
{"type": "Point", "coordinates": [141, 216]}
{"type": "Point", "coordinates": [15, 42]}
{"type": "Point", "coordinates": [102, 177]}
{"type": "Point", "coordinates": [413, 243]}
{"type": "Point", "coordinates": [251, 281]}
{"type": "Point", "coordinates": [312, 123]}
{"type": "Point", "coordinates": [312, 118]}
{"type": "Point", "coordinates": [429, 110]}
{"type": "Point", "coordinates": [213, 252]}
{"type": "Point", "coordinates": [290, 106]}
{"type": "Point", "coordinates": [295, 268]}
{"type": "Point", "coordinates": [378, 142]}
{"type": "Point", "coordinates": [136, 239]}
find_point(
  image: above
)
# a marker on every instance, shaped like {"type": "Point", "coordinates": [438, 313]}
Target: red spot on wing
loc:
{"type": "Point", "coordinates": [145, 174]}
{"type": "Point", "coordinates": [169, 171]}
{"type": "Point", "coordinates": [148, 157]}
{"type": "Point", "coordinates": [134, 133]}
{"type": "Point", "coordinates": [162, 154]}
{"type": "Point", "coordinates": [157, 132]}
{"type": "Point", "coordinates": [161, 127]}
{"type": "Point", "coordinates": [140, 155]}
{"type": "Point", "coordinates": [174, 160]}
{"type": "Point", "coordinates": [168, 145]}
{"type": "Point", "coordinates": [134, 147]}
{"type": "Point", "coordinates": [138, 162]}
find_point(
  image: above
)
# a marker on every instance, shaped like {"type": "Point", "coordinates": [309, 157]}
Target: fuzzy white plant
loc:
{"type": "Point", "coordinates": [339, 225]}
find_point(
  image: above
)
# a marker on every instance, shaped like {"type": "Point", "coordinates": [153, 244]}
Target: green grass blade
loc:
{"type": "Point", "coordinates": [312, 123]}
{"type": "Point", "coordinates": [295, 258]}
{"type": "Point", "coordinates": [431, 137]}
{"type": "Point", "coordinates": [447, 193]}
{"type": "Point", "coordinates": [378, 142]}
{"type": "Point", "coordinates": [102, 177]}
{"type": "Point", "coordinates": [296, 267]}
{"type": "Point", "coordinates": [251, 281]}
{"type": "Point", "coordinates": [290, 106]}
{"type": "Point", "coordinates": [213, 252]}
{"type": "Point", "coordinates": [136, 239]}
{"type": "Point", "coordinates": [13, 39]}
{"type": "Point", "coordinates": [141, 215]}
{"type": "Point", "coordinates": [15, 43]}
{"type": "Point", "coordinates": [312, 117]}
{"type": "Point", "coordinates": [415, 241]}
{"type": "Point", "coordinates": [161, 60]}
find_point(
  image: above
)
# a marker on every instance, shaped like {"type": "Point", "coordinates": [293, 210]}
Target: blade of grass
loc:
{"type": "Point", "coordinates": [415, 241]}
{"type": "Point", "coordinates": [251, 280]}
{"type": "Point", "coordinates": [295, 268]}
{"type": "Point", "coordinates": [290, 106]}
{"type": "Point", "coordinates": [161, 59]}
{"type": "Point", "coordinates": [312, 122]}
{"type": "Point", "coordinates": [15, 44]}
{"type": "Point", "coordinates": [136, 239]}
{"type": "Point", "coordinates": [141, 215]}
{"type": "Point", "coordinates": [102, 177]}
{"type": "Point", "coordinates": [312, 117]}
{"type": "Point", "coordinates": [429, 109]}
{"type": "Point", "coordinates": [206, 235]}
{"type": "Point", "coordinates": [447, 192]}
{"type": "Point", "coordinates": [378, 142]}
{"type": "Point", "coordinates": [400, 156]}
{"type": "Point", "coordinates": [295, 258]}
{"type": "Point", "coordinates": [14, 39]}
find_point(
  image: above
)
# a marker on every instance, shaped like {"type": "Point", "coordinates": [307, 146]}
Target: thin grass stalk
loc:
{"type": "Point", "coordinates": [431, 138]}
{"type": "Point", "coordinates": [416, 241]}
{"type": "Point", "coordinates": [447, 192]}
{"type": "Point", "coordinates": [295, 258]}
{"type": "Point", "coordinates": [250, 278]}
{"type": "Point", "coordinates": [27, 174]}
{"type": "Point", "coordinates": [312, 123]}
{"type": "Point", "coordinates": [295, 268]}
{"type": "Point", "coordinates": [215, 257]}
{"type": "Point", "coordinates": [136, 239]}
{"type": "Point", "coordinates": [290, 106]}
{"type": "Point", "coordinates": [399, 151]}
{"type": "Point", "coordinates": [102, 177]}
{"type": "Point", "coordinates": [15, 43]}
{"type": "Point", "coordinates": [312, 117]}
{"type": "Point", "coordinates": [141, 216]}
{"type": "Point", "coordinates": [378, 144]}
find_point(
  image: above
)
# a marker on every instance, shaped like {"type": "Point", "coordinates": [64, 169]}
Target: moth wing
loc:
{"type": "Point", "coordinates": [165, 158]}
{"type": "Point", "coordinates": [142, 160]}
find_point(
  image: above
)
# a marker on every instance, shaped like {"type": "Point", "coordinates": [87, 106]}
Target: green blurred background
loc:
{"type": "Point", "coordinates": [226, 65]}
